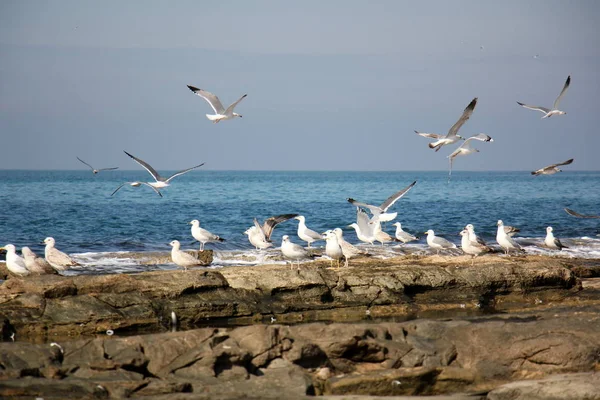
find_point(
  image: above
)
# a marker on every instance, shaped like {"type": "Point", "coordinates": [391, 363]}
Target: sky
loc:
{"type": "Point", "coordinates": [332, 85]}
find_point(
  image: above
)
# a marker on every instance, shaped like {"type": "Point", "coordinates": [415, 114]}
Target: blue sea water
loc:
{"type": "Point", "coordinates": [75, 207]}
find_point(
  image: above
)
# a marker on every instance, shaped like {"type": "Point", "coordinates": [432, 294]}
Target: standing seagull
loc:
{"type": "Point", "coordinates": [465, 149]}
{"type": "Point", "coordinates": [333, 248]}
{"type": "Point", "coordinates": [551, 241]}
{"type": "Point", "coordinates": [160, 181]}
{"type": "Point", "coordinates": [182, 258]}
{"type": "Point", "coordinates": [473, 236]}
{"type": "Point", "coordinates": [382, 209]}
{"type": "Point", "coordinates": [402, 235]}
{"type": "Point", "coordinates": [94, 170]}
{"type": "Point", "coordinates": [472, 248]}
{"type": "Point", "coordinates": [14, 262]}
{"type": "Point", "coordinates": [438, 243]}
{"type": "Point", "coordinates": [260, 236]}
{"type": "Point", "coordinates": [202, 235]}
{"type": "Point", "coordinates": [35, 264]}
{"type": "Point", "coordinates": [554, 111]}
{"type": "Point", "coordinates": [137, 184]}
{"type": "Point", "coordinates": [348, 249]}
{"type": "Point", "coordinates": [306, 234]}
{"type": "Point", "coordinates": [551, 169]}
{"type": "Point", "coordinates": [56, 258]}
{"type": "Point", "coordinates": [293, 251]}
{"type": "Point", "coordinates": [221, 114]}
{"type": "Point", "coordinates": [504, 240]}
{"type": "Point", "coordinates": [452, 136]}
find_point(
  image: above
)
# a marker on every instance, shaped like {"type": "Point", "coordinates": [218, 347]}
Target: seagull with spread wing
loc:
{"type": "Point", "coordinates": [551, 169]}
{"type": "Point", "coordinates": [465, 149]}
{"type": "Point", "coordinates": [452, 136]}
{"type": "Point", "coordinates": [260, 235]}
{"type": "Point", "coordinates": [160, 181]}
{"type": "Point", "coordinates": [381, 210]}
{"type": "Point", "coordinates": [221, 114]}
{"type": "Point", "coordinates": [577, 215]}
{"type": "Point", "coordinates": [554, 111]}
{"type": "Point", "coordinates": [94, 170]}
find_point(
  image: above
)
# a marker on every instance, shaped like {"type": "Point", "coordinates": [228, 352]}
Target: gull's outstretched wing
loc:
{"type": "Point", "coordinates": [374, 209]}
{"type": "Point", "coordinates": [430, 135]}
{"type": "Point", "coordinates": [562, 163]}
{"type": "Point", "coordinates": [396, 196]}
{"type": "Point", "coordinates": [463, 118]}
{"type": "Point", "coordinates": [232, 106]}
{"type": "Point", "coordinates": [272, 222]}
{"type": "Point", "coordinates": [182, 172]}
{"type": "Point", "coordinates": [117, 189]}
{"type": "Point", "coordinates": [213, 100]}
{"type": "Point", "coordinates": [481, 136]}
{"type": "Point", "coordinates": [108, 169]}
{"type": "Point", "coordinates": [535, 108]}
{"type": "Point", "coordinates": [85, 163]}
{"type": "Point", "coordinates": [562, 92]}
{"type": "Point", "coordinates": [577, 215]}
{"type": "Point", "coordinates": [153, 188]}
{"type": "Point", "coordinates": [146, 166]}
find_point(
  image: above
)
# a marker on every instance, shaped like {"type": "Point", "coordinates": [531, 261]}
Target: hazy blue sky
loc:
{"type": "Point", "coordinates": [336, 85]}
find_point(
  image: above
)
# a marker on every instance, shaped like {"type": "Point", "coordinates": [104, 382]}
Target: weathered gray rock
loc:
{"type": "Point", "coordinates": [556, 387]}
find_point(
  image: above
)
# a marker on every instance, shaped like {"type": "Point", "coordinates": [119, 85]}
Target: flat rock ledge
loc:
{"type": "Point", "coordinates": [50, 307]}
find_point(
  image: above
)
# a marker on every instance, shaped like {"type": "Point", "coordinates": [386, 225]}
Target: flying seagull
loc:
{"type": "Point", "coordinates": [551, 169]}
{"type": "Point", "coordinates": [221, 114]}
{"type": "Point", "coordinates": [94, 170]}
{"type": "Point", "coordinates": [137, 184]}
{"type": "Point", "coordinates": [381, 209]}
{"type": "Point", "coordinates": [451, 137]}
{"type": "Point", "coordinates": [160, 181]}
{"type": "Point", "coordinates": [577, 215]}
{"type": "Point", "coordinates": [554, 111]}
{"type": "Point", "coordinates": [465, 149]}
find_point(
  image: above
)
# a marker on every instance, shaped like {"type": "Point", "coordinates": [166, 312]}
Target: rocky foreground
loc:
{"type": "Point", "coordinates": [505, 328]}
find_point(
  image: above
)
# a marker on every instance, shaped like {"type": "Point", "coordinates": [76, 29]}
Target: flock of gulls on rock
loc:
{"type": "Point", "coordinates": [368, 228]}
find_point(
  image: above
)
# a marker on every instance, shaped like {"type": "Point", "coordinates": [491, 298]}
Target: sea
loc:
{"type": "Point", "coordinates": [103, 232]}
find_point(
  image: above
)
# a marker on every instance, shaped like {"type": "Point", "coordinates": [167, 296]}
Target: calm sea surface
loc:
{"type": "Point", "coordinates": [75, 207]}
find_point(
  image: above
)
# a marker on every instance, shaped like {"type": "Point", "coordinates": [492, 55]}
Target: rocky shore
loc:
{"type": "Point", "coordinates": [504, 328]}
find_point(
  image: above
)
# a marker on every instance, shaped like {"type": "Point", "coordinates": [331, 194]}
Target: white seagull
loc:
{"type": "Point", "coordinates": [438, 243]}
{"type": "Point", "coordinates": [551, 241]}
{"type": "Point", "coordinates": [260, 236]}
{"type": "Point", "coordinates": [160, 181]}
{"type": "Point", "coordinates": [94, 170]}
{"type": "Point", "coordinates": [504, 240]}
{"type": "Point", "coordinates": [306, 234]}
{"type": "Point", "coordinates": [402, 235]}
{"type": "Point", "coordinates": [554, 111]}
{"type": "Point", "coordinates": [364, 227]}
{"type": "Point", "coordinates": [381, 210]}
{"type": "Point", "coordinates": [551, 169]}
{"type": "Point", "coordinates": [56, 258]}
{"type": "Point", "coordinates": [472, 248]}
{"type": "Point", "coordinates": [14, 262]}
{"type": "Point", "coordinates": [348, 249]}
{"type": "Point", "coordinates": [221, 114]}
{"type": "Point", "coordinates": [465, 149]}
{"type": "Point", "coordinates": [202, 235]}
{"type": "Point", "coordinates": [35, 264]}
{"type": "Point", "coordinates": [137, 184]}
{"type": "Point", "coordinates": [451, 137]}
{"type": "Point", "coordinates": [293, 251]}
{"type": "Point", "coordinates": [473, 236]}
{"type": "Point", "coordinates": [181, 258]}
{"type": "Point", "coordinates": [333, 249]}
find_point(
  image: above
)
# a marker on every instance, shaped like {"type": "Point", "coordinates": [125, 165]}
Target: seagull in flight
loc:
{"type": "Point", "coordinates": [160, 181]}
{"type": "Point", "coordinates": [94, 170]}
{"type": "Point", "coordinates": [137, 184]}
{"type": "Point", "coordinates": [380, 210]}
{"type": "Point", "coordinates": [554, 111]}
{"type": "Point", "coordinates": [577, 215]}
{"type": "Point", "coordinates": [551, 169]}
{"type": "Point", "coordinates": [465, 149]}
{"type": "Point", "coordinates": [221, 114]}
{"type": "Point", "coordinates": [451, 137]}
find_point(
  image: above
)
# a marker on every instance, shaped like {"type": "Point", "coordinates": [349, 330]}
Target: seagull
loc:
{"type": "Point", "coordinates": [348, 249]}
{"type": "Point", "coordinates": [14, 262]}
{"type": "Point", "coordinates": [221, 114]}
{"type": "Point", "coordinates": [333, 248]}
{"type": "Point", "coordinates": [577, 215]}
{"type": "Point", "coordinates": [473, 236]}
{"type": "Point", "coordinates": [363, 226]}
{"type": "Point", "coordinates": [94, 170]}
{"type": "Point", "coordinates": [260, 236]}
{"type": "Point", "coordinates": [182, 258]}
{"type": "Point", "coordinates": [472, 248]}
{"type": "Point", "coordinates": [551, 169]}
{"type": "Point", "coordinates": [380, 235]}
{"type": "Point", "coordinates": [554, 111]}
{"type": "Point", "coordinates": [202, 235]}
{"type": "Point", "coordinates": [452, 136]}
{"type": "Point", "coordinates": [438, 243]}
{"type": "Point", "coordinates": [56, 258]}
{"type": "Point", "coordinates": [160, 181]}
{"type": "Point", "coordinates": [137, 184]}
{"type": "Point", "coordinates": [308, 235]}
{"type": "Point", "coordinates": [504, 240]}
{"type": "Point", "coordinates": [35, 264]}
{"type": "Point", "coordinates": [465, 149]}
{"type": "Point", "coordinates": [551, 241]}
{"type": "Point", "coordinates": [293, 251]}
{"type": "Point", "coordinates": [382, 209]}
{"type": "Point", "coordinates": [402, 235]}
